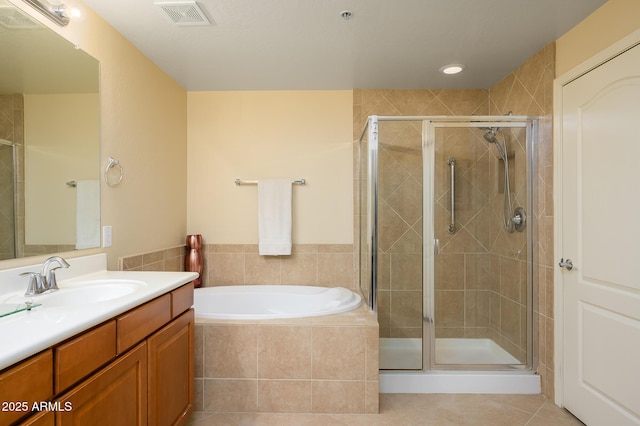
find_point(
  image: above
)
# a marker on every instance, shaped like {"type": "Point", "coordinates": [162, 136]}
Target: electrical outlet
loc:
{"type": "Point", "coordinates": [107, 238]}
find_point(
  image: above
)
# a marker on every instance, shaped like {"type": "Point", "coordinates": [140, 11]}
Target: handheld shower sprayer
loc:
{"type": "Point", "coordinates": [490, 136]}
{"type": "Point", "coordinates": [512, 220]}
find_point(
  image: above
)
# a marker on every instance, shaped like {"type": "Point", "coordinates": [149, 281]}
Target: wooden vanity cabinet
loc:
{"type": "Point", "coordinates": [171, 372]}
{"type": "Point", "coordinates": [116, 395]}
{"type": "Point", "coordinates": [82, 355]}
{"type": "Point", "coordinates": [45, 418]}
{"type": "Point", "coordinates": [24, 384]}
{"type": "Point", "coordinates": [135, 369]}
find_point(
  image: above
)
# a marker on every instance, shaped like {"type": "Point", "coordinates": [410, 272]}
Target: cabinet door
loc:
{"type": "Point", "coordinates": [117, 395]}
{"type": "Point", "coordinates": [21, 386]}
{"type": "Point", "coordinates": [171, 372]}
{"type": "Point", "coordinates": [45, 418]}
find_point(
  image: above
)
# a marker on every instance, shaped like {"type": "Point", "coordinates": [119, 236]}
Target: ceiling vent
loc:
{"type": "Point", "coordinates": [13, 19]}
{"type": "Point", "coordinates": [184, 13]}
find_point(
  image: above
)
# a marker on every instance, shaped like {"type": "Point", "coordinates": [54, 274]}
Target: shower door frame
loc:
{"type": "Point", "coordinates": [429, 123]}
{"type": "Point", "coordinates": [14, 177]}
{"type": "Point", "coordinates": [429, 126]}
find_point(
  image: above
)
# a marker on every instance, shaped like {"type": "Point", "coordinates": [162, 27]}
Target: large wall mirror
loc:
{"type": "Point", "coordinates": [49, 140]}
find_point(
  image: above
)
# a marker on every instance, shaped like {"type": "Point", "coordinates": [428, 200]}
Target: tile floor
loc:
{"type": "Point", "coordinates": [416, 410]}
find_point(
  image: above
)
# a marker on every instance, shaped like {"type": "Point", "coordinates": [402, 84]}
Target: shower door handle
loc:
{"type": "Point", "coordinates": [452, 166]}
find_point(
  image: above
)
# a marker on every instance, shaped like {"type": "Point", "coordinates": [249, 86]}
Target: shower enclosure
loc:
{"type": "Point", "coordinates": [7, 200]}
{"type": "Point", "coordinates": [446, 235]}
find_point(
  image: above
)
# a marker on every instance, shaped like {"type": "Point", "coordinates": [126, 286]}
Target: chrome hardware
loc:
{"type": "Point", "coordinates": [451, 162]}
{"type": "Point", "coordinates": [239, 182]}
{"type": "Point", "coordinates": [111, 164]}
{"type": "Point", "coordinates": [36, 283]}
{"type": "Point", "coordinates": [49, 274]}
{"type": "Point", "coordinates": [436, 247]}
{"type": "Point", "coordinates": [568, 264]}
{"type": "Point", "coordinates": [519, 219]}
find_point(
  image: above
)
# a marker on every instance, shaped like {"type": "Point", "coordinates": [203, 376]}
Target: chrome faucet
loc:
{"type": "Point", "coordinates": [48, 273]}
{"type": "Point", "coordinates": [36, 284]}
{"type": "Point", "coordinates": [46, 279]}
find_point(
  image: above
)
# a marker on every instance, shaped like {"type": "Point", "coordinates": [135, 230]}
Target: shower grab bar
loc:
{"type": "Point", "coordinates": [452, 166]}
{"type": "Point", "coordinates": [255, 182]}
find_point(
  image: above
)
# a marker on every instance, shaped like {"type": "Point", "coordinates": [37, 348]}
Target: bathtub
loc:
{"type": "Point", "coordinates": [255, 302]}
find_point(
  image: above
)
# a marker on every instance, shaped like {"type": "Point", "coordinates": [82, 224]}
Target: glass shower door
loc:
{"type": "Point", "coordinates": [399, 244]}
{"type": "Point", "coordinates": [479, 273]}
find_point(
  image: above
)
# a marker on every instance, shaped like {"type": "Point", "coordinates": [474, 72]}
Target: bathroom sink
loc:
{"type": "Point", "coordinates": [81, 293]}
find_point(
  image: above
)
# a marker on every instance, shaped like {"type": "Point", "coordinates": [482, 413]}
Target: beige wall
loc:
{"type": "Point", "coordinates": [259, 135]}
{"type": "Point", "coordinates": [610, 23]}
{"type": "Point", "coordinates": [143, 125]}
{"type": "Point", "coordinates": [62, 128]}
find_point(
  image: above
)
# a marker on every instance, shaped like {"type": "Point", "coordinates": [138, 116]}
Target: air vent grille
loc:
{"type": "Point", "coordinates": [184, 13]}
{"type": "Point", "coordinates": [12, 19]}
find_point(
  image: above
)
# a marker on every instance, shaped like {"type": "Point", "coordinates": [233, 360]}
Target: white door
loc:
{"type": "Point", "coordinates": [601, 235]}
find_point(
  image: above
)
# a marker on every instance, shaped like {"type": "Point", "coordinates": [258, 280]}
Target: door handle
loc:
{"type": "Point", "coordinates": [568, 264]}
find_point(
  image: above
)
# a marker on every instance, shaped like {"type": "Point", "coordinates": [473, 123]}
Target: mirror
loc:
{"type": "Point", "coordinates": [49, 140]}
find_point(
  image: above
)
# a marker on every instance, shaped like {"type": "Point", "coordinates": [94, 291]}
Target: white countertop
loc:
{"type": "Point", "coordinates": [26, 333]}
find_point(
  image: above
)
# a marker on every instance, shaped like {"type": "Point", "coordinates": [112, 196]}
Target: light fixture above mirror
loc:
{"type": "Point", "coordinates": [55, 10]}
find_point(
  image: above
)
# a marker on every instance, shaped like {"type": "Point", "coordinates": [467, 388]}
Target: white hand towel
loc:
{"type": "Point", "coordinates": [274, 217]}
{"type": "Point", "coordinates": [87, 214]}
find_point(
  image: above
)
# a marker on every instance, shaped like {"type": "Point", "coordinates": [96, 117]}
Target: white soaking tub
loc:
{"type": "Point", "coordinates": [253, 302]}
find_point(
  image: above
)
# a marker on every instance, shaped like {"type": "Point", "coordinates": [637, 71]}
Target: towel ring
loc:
{"type": "Point", "coordinates": [113, 163]}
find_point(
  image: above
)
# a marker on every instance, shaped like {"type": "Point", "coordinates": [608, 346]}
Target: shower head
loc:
{"type": "Point", "coordinates": [490, 136]}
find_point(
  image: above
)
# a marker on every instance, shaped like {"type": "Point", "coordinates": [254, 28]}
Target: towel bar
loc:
{"type": "Point", "coordinates": [255, 182]}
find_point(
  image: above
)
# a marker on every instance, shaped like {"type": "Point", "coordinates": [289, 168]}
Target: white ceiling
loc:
{"type": "Point", "coordinates": [306, 45]}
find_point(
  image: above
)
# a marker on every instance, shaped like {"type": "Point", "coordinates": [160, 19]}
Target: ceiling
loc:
{"type": "Point", "coordinates": [306, 45]}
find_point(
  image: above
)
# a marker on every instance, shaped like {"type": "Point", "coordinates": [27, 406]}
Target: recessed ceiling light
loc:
{"type": "Point", "coordinates": [346, 15]}
{"type": "Point", "coordinates": [452, 69]}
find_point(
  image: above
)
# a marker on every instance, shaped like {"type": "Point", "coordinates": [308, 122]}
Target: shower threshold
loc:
{"type": "Point", "coordinates": [406, 354]}
{"type": "Point", "coordinates": [401, 368]}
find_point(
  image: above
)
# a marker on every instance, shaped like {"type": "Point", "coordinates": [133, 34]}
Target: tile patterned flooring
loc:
{"type": "Point", "coordinates": [416, 410]}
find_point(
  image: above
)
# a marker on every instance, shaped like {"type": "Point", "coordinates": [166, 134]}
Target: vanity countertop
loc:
{"type": "Point", "coordinates": [28, 332]}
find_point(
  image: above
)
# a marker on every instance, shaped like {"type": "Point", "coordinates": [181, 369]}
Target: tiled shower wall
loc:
{"type": "Point", "coordinates": [400, 204]}
{"type": "Point", "coordinates": [12, 129]}
{"type": "Point", "coordinates": [529, 91]}
{"type": "Point", "coordinates": [479, 278]}
{"type": "Point", "coordinates": [400, 210]}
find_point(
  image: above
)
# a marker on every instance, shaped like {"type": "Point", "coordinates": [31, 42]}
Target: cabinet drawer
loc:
{"type": "Point", "coordinates": [28, 382]}
{"type": "Point", "coordinates": [181, 299]}
{"type": "Point", "coordinates": [84, 354]}
{"type": "Point", "coordinates": [140, 322]}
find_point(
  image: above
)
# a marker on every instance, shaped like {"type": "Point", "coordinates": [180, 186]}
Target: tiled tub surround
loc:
{"type": "Point", "coordinates": [327, 265]}
{"type": "Point", "coordinates": [170, 259]}
{"type": "Point", "coordinates": [326, 364]}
